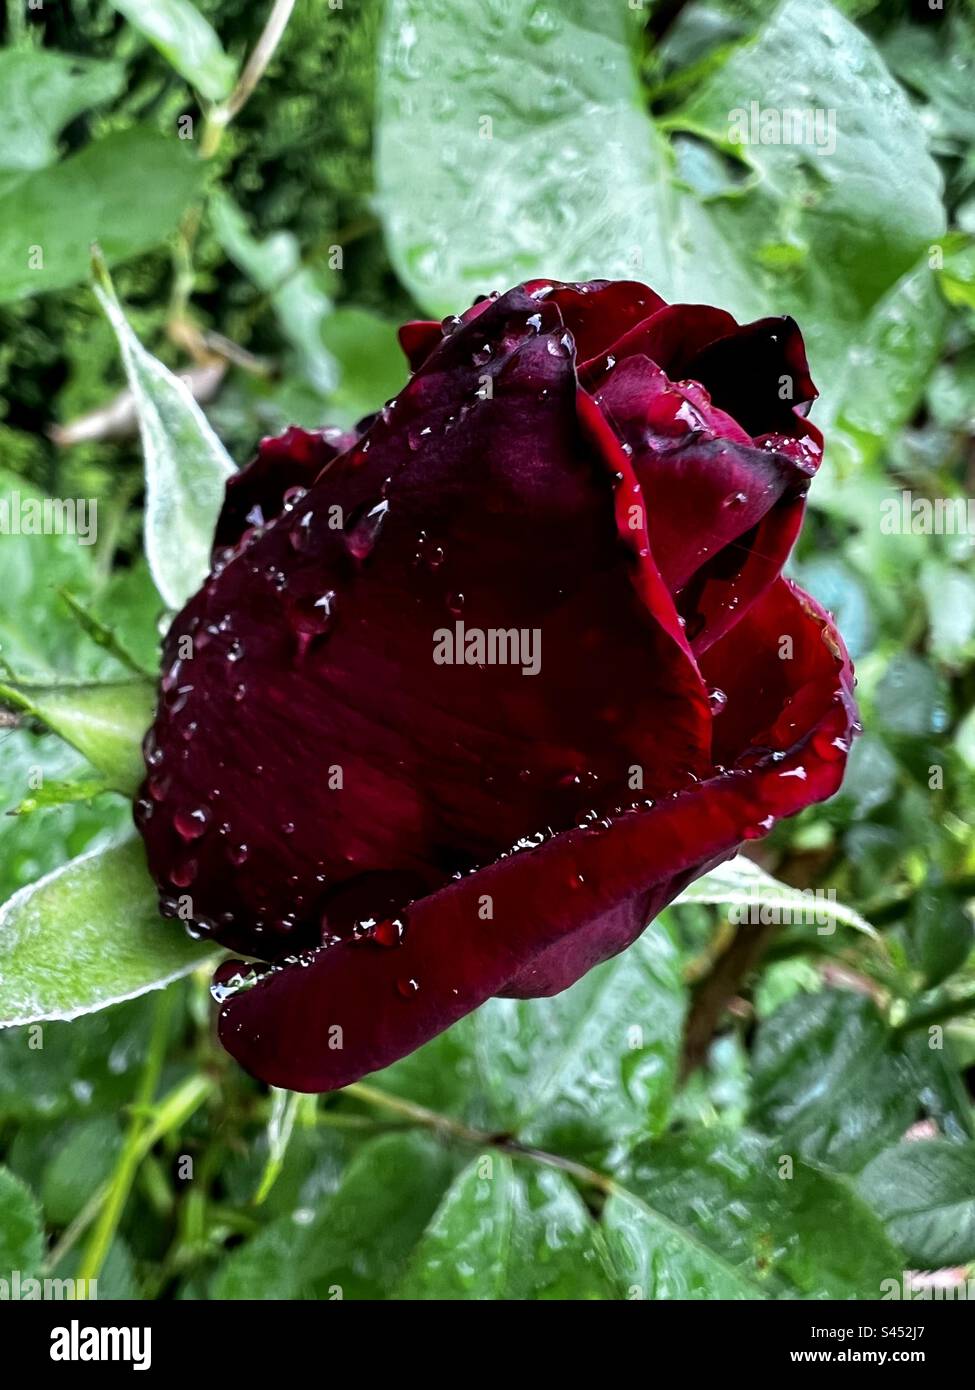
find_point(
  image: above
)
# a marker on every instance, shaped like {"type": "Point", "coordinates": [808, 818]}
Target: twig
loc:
{"type": "Point", "coordinates": [479, 1138]}
{"type": "Point", "coordinates": [118, 419]}
{"type": "Point", "coordinates": [718, 989]}
{"type": "Point", "coordinates": [938, 1013]}
{"type": "Point", "coordinates": [219, 117]}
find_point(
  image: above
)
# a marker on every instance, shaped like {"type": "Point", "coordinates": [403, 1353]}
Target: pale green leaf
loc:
{"type": "Point", "coordinates": [186, 465]}
{"type": "Point", "coordinates": [186, 40]}
{"type": "Point", "coordinates": [88, 935]}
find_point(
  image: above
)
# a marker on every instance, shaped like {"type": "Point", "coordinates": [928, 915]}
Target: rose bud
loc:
{"type": "Point", "coordinates": [468, 698]}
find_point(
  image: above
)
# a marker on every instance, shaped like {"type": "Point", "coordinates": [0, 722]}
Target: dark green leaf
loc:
{"type": "Point", "coordinates": [583, 1073]}
{"type": "Point", "coordinates": [507, 1231]}
{"type": "Point", "coordinates": [829, 1079]}
{"type": "Point", "coordinates": [21, 1237]}
{"type": "Point", "coordinates": [924, 1192]}
{"type": "Point", "coordinates": [726, 1215]}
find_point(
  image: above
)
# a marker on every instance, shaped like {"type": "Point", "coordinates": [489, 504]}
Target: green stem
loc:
{"type": "Point", "coordinates": [173, 1111]}
{"type": "Point", "coordinates": [479, 1138]}
{"type": "Point", "coordinates": [120, 1184]}
{"type": "Point", "coordinates": [938, 1013]}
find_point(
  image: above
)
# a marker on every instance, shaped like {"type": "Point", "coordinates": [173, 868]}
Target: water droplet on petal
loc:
{"type": "Point", "coordinates": [717, 699]}
{"type": "Point", "coordinates": [363, 527]}
{"type": "Point", "coordinates": [407, 988]}
{"type": "Point", "coordinates": [190, 825]}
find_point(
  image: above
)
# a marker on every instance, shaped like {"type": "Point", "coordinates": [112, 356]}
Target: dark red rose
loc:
{"type": "Point", "coordinates": [607, 484]}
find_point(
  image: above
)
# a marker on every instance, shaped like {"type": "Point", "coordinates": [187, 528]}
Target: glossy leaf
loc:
{"type": "Point", "coordinates": [510, 1231]}
{"type": "Point", "coordinates": [854, 217]}
{"type": "Point", "coordinates": [829, 1079]}
{"type": "Point", "coordinates": [731, 1215]}
{"type": "Point", "coordinates": [924, 1192]}
{"type": "Point", "coordinates": [583, 1073]}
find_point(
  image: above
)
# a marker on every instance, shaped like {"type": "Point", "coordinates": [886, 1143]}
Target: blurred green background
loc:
{"type": "Point", "coordinates": [396, 160]}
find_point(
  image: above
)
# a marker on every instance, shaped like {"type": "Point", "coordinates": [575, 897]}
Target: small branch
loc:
{"type": "Point", "coordinates": [718, 989]}
{"type": "Point", "coordinates": [478, 1138]}
{"type": "Point", "coordinates": [219, 117]}
{"type": "Point", "coordinates": [263, 53]}
{"type": "Point", "coordinates": [118, 419]}
{"type": "Point", "coordinates": [938, 1013]}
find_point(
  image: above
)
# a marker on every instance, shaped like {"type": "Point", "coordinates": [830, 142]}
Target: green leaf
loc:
{"type": "Point", "coordinates": [126, 191]}
{"type": "Point", "coordinates": [887, 366]}
{"type": "Point", "coordinates": [300, 304]}
{"type": "Point", "coordinates": [612, 204]}
{"type": "Point", "coordinates": [510, 1232]}
{"type": "Point", "coordinates": [186, 40]}
{"type": "Point", "coordinates": [924, 1192]}
{"type": "Point", "coordinates": [87, 935]}
{"type": "Point", "coordinates": [21, 1235]}
{"type": "Point", "coordinates": [41, 90]}
{"type": "Point", "coordinates": [62, 1071]}
{"type": "Point", "coordinates": [186, 465]}
{"type": "Point", "coordinates": [581, 1074]}
{"type": "Point", "coordinates": [911, 698]}
{"type": "Point", "coordinates": [356, 1243]}
{"type": "Point", "coordinates": [105, 722]}
{"type": "Point", "coordinates": [371, 365]}
{"type": "Point", "coordinates": [83, 1159]}
{"type": "Point", "coordinates": [949, 596]}
{"type": "Point", "coordinates": [719, 1214]}
{"type": "Point", "coordinates": [61, 794]}
{"type": "Point", "coordinates": [742, 883]}
{"type": "Point", "coordinates": [939, 934]}
{"type": "Point", "coordinates": [829, 1078]}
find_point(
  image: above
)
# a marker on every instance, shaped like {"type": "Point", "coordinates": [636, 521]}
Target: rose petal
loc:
{"type": "Point", "coordinates": [747, 372]}
{"type": "Point", "coordinates": [533, 922]}
{"type": "Point", "coordinates": [313, 655]}
{"type": "Point", "coordinates": [255, 495]}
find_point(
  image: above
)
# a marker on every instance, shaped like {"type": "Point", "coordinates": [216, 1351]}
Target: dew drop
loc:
{"type": "Point", "coordinates": [237, 854]}
{"type": "Point", "coordinates": [389, 932]}
{"type": "Point", "coordinates": [299, 537]}
{"type": "Point", "coordinates": [407, 988]}
{"type": "Point", "coordinates": [717, 699]}
{"type": "Point", "coordinates": [183, 874]}
{"type": "Point", "coordinates": [190, 825]}
{"type": "Point", "coordinates": [363, 527]}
